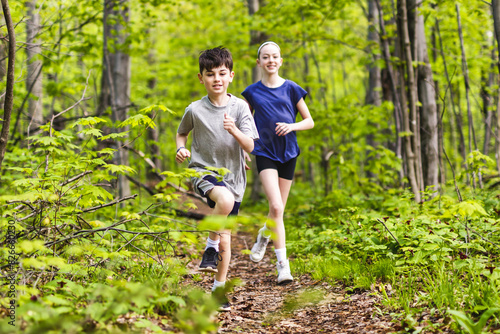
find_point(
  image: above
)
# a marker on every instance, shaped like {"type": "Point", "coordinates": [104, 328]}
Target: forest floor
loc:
{"type": "Point", "coordinates": [260, 305]}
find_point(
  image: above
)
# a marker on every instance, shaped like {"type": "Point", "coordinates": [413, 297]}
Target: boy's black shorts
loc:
{"type": "Point", "coordinates": [285, 170]}
{"type": "Point", "coordinates": [212, 179]}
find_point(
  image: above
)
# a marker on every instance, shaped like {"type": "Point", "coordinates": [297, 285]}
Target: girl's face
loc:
{"type": "Point", "coordinates": [270, 59]}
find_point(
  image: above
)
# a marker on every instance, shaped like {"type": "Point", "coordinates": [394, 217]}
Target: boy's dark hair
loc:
{"type": "Point", "coordinates": [216, 57]}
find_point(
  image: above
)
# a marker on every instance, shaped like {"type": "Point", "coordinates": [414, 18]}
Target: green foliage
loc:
{"type": "Point", "coordinates": [347, 207]}
{"type": "Point", "coordinates": [470, 326]}
{"type": "Point", "coordinates": [440, 254]}
{"type": "Point", "coordinates": [86, 262]}
{"type": "Point", "coordinates": [195, 318]}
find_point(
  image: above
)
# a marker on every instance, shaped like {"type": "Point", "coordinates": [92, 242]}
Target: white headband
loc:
{"type": "Point", "coordinates": [266, 43]}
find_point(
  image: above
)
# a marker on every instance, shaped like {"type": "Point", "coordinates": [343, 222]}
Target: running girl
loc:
{"type": "Point", "coordinates": [276, 102]}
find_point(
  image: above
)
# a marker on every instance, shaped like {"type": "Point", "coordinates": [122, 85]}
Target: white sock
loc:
{"type": "Point", "coordinates": [266, 233]}
{"type": "Point", "coordinates": [280, 254]}
{"type": "Point", "coordinates": [218, 284]}
{"type": "Point", "coordinates": [212, 243]}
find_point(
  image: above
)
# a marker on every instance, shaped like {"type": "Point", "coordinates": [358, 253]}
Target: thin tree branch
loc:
{"type": "Point", "coordinates": [392, 235]}
{"type": "Point", "coordinates": [76, 177]}
{"type": "Point", "coordinates": [110, 203]}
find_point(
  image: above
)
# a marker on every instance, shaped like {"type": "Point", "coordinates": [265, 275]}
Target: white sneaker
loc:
{"type": "Point", "coordinates": [259, 248]}
{"type": "Point", "coordinates": [284, 275]}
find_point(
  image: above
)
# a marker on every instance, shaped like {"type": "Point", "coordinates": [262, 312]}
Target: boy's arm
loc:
{"type": "Point", "coordinates": [245, 141]}
{"type": "Point", "coordinates": [182, 151]}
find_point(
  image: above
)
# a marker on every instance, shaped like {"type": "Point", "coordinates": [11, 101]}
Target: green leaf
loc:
{"type": "Point", "coordinates": [221, 171]}
{"type": "Point", "coordinates": [88, 121]}
{"type": "Point", "coordinates": [28, 171]}
{"type": "Point", "coordinates": [469, 208]}
{"type": "Point", "coordinates": [119, 169]}
{"type": "Point", "coordinates": [57, 300]}
{"type": "Point", "coordinates": [137, 120]}
{"type": "Point", "coordinates": [175, 299]}
{"type": "Point", "coordinates": [33, 263]}
{"type": "Point", "coordinates": [156, 106]}
{"type": "Point", "coordinates": [115, 135]}
{"type": "Point", "coordinates": [217, 223]}
{"type": "Point", "coordinates": [107, 151]}
{"type": "Point", "coordinates": [468, 325]}
{"type": "Point", "coordinates": [96, 311]}
{"type": "Point", "coordinates": [91, 132]}
{"type": "Point", "coordinates": [28, 246]}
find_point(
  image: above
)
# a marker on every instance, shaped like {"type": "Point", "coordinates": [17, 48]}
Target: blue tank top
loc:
{"type": "Point", "coordinates": [273, 105]}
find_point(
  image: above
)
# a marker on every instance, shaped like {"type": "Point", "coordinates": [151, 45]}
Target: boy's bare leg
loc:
{"type": "Point", "coordinates": [225, 253]}
{"type": "Point", "coordinates": [224, 203]}
{"type": "Point", "coordinates": [214, 236]}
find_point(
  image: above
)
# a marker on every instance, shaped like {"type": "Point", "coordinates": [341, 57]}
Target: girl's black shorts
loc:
{"type": "Point", "coordinates": [285, 170]}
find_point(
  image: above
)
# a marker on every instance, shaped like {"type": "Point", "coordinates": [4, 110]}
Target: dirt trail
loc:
{"type": "Point", "coordinates": [259, 305]}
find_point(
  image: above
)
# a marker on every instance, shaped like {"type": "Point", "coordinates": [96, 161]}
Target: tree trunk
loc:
{"type": "Point", "coordinates": [374, 75]}
{"type": "Point", "coordinates": [472, 135]}
{"type": "Point", "coordinates": [410, 117]}
{"type": "Point", "coordinates": [496, 24]}
{"type": "Point", "coordinates": [3, 55]}
{"type": "Point", "coordinates": [9, 89]}
{"type": "Point", "coordinates": [427, 97]}
{"type": "Point", "coordinates": [256, 38]}
{"type": "Point", "coordinates": [497, 143]}
{"type": "Point", "coordinates": [34, 70]}
{"type": "Point", "coordinates": [307, 169]}
{"type": "Point", "coordinates": [456, 114]}
{"type": "Point", "coordinates": [439, 106]}
{"type": "Point", "coordinates": [486, 85]}
{"type": "Point", "coordinates": [153, 134]}
{"type": "Point", "coordinates": [398, 104]}
{"type": "Point", "coordinates": [115, 82]}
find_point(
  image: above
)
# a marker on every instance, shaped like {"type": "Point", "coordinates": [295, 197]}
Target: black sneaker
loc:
{"type": "Point", "coordinates": [226, 307]}
{"type": "Point", "coordinates": [209, 261]}
{"type": "Point", "coordinates": [220, 296]}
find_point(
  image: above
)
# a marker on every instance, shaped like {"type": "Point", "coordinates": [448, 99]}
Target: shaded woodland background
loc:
{"type": "Point", "coordinates": [396, 190]}
{"type": "Point", "coordinates": [395, 87]}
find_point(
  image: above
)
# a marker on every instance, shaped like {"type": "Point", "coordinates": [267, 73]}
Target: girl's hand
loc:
{"type": "Point", "coordinates": [282, 129]}
{"type": "Point", "coordinates": [229, 125]}
{"type": "Point", "coordinates": [182, 154]}
{"type": "Point", "coordinates": [247, 158]}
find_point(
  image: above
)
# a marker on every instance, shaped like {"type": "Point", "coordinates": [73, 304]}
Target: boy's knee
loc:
{"type": "Point", "coordinates": [225, 202]}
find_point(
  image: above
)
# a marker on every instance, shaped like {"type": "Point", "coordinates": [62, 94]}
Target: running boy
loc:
{"type": "Point", "coordinates": [222, 129]}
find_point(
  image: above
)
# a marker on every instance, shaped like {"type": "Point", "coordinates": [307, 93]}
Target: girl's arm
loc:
{"type": "Point", "coordinates": [250, 106]}
{"type": "Point", "coordinates": [307, 122]}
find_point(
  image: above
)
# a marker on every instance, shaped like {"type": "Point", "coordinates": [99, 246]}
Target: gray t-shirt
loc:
{"type": "Point", "coordinates": [213, 146]}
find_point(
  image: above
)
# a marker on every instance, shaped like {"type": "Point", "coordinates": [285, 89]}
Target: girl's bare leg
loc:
{"type": "Point", "coordinates": [276, 190]}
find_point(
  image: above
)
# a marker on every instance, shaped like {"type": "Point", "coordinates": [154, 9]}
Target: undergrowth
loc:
{"type": "Point", "coordinates": [435, 264]}
{"type": "Point", "coordinates": [76, 257]}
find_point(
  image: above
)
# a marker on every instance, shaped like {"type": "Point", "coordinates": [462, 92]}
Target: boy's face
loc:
{"type": "Point", "coordinates": [216, 80]}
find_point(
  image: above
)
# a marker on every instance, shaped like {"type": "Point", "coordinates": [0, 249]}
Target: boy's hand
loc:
{"type": "Point", "coordinates": [182, 154]}
{"type": "Point", "coordinates": [229, 125]}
